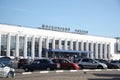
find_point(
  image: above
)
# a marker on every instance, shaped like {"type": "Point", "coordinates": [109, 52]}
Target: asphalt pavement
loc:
{"type": "Point", "coordinates": [86, 74]}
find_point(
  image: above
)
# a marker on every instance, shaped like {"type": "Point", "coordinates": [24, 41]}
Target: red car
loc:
{"type": "Point", "coordinates": [65, 64]}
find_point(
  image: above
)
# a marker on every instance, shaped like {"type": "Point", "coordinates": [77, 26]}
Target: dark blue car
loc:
{"type": "Point", "coordinates": [40, 64]}
{"type": "Point", "coordinates": [6, 61]}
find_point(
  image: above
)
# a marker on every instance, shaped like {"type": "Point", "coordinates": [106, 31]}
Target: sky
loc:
{"type": "Point", "coordinates": [98, 17]}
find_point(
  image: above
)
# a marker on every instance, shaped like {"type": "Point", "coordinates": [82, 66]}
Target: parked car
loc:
{"type": "Point", "coordinates": [116, 62]}
{"type": "Point", "coordinates": [91, 64]}
{"type": "Point", "coordinates": [6, 71]}
{"type": "Point", "coordinates": [40, 64]}
{"type": "Point", "coordinates": [23, 62]}
{"type": "Point", "coordinates": [6, 61]}
{"type": "Point", "coordinates": [65, 64]}
{"type": "Point", "coordinates": [109, 65]}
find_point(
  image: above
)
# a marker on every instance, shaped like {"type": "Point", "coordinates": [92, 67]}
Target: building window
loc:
{"type": "Point", "coordinates": [108, 51]}
{"type": "Point", "coordinates": [74, 45]}
{"type": "Point", "coordinates": [29, 46]}
{"type": "Point", "coordinates": [98, 51]}
{"type": "Point", "coordinates": [63, 44]}
{"type": "Point", "coordinates": [56, 44]}
{"type": "Point", "coordinates": [79, 44]}
{"type": "Point", "coordinates": [36, 47]}
{"type": "Point", "coordinates": [85, 46]}
{"type": "Point", "coordinates": [50, 43]}
{"type": "Point", "coordinates": [4, 39]}
{"type": "Point", "coordinates": [44, 47]}
{"type": "Point", "coordinates": [21, 45]}
{"type": "Point", "coordinates": [12, 45]}
{"type": "Point", "coordinates": [68, 45]}
{"type": "Point", "coordinates": [90, 49]}
{"type": "Point", "coordinates": [103, 49]}
{"type": "Point", "coordinates": [94, 49]}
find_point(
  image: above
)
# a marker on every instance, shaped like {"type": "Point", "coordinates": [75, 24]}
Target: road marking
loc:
{"type": "Point", "coordinates": [97, 70]}
{"type": "Point", "coordinates": [109, 69]}
{"type": "Point", "coordinates": [44, 71]}
{"type": "Point", "coordinates": [27, 73]}
{"type": "Point", "coordinates": [86, 70]}
{"type": "Point", "coordinates": [73, 70]}
{"type": "Point", "coordinates": [118, 69]}
{"type": "Point", "coordinates": [59, 71]}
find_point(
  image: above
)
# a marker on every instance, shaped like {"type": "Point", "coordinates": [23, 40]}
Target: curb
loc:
{"type": "Point", "coordinates": [61, 71]}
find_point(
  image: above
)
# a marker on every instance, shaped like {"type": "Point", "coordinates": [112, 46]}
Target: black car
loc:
{"type": "Point", "coordinates": [40, 64]}
{"type": "Point", "coordinates": [109, 65]}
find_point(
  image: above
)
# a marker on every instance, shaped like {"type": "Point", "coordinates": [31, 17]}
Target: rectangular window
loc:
{"type": "Point", "coordinates": [12, 45]}
{"type": "Point", "coordinates": [36, 47]}
{"type": "Point", "coordinates": [4, 39]}
{"type": "Point", "coordinates": [74, 45]}
{"type": "Point", "coordinates": [85, 46]}
{"type": "Point", "coordinates": [90, 49]}
{"type": "Point", "coordinates": [94, 48]}
{"type": "Point", "coordinates": [50, 43]}
{"type": "Point", "coordinates": [103, 49]}
{"type": "Point", "coordinates": [63, 44]}
{"type": "Point", "coordinates": [79, 44]}
{"type": "Point", "coordinates": [21, 45]}
{"type": "Point", "coordinates": [98, 51]}
{"type": "Point", "coordinates": [56, 44]}
{"type": "Point", "coordinates": [108, 51]}
{"type": "Point", "coordinates": [68, 44]}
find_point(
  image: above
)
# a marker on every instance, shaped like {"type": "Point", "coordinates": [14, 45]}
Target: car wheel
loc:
{"type": "Point", "coordinates": [71, 68]}
{"type": "Point", "coordinates": [26, 69]}
{"type": "Point", "coordinates": [81, 67]}
{"type": "Point", "coordinates": [48, 69]}
{"type": "Point", "coordinates": [10, 75]}
{"type": "Point", "coordinates": [99, 67]}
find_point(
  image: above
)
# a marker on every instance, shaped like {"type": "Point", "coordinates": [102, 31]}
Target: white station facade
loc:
{"type": "Point", "coordinates": [24, 42]}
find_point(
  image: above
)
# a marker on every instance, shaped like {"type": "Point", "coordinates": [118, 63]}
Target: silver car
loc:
{"type": "Point", "coordinates": [86, 63]}
{"type": "Point", "coordinates": [6, 71]}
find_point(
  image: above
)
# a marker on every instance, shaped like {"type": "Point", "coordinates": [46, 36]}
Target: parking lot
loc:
{"type": "Point", "coordinates": [85, 74]}
{"type": "Point", "coordinates": [63, 74]}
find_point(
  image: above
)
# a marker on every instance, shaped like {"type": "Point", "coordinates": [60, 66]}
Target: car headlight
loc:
{"type": "Point", "coordinates": [12, 69]}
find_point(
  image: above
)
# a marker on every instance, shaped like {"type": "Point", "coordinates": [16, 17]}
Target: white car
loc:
{"type": "Point", "coordinates": [91, 64]}
{"type": "Point", "coordinates": [6, 71]}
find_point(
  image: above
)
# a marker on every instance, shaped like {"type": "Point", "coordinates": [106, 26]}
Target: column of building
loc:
{"type": "Point", "coordinates": [25, 47]}
{"type": "Point", "coordinates": [105, 54]}
{"type": "Point", "coordinates": [109, 56]}
{"type": "Point", "coordinates": [60, 47]}
{"type": "Point", "coordinates": [8, 45]}
{"type": "Point", "coordinates": [101, 52]}
{"type": "Point", "coordinates": [77, 45]}
{"type": "Point", "coordinates": [53, 47]}
{"type": "Point", "coordinates": [33, 47]}
{"type": "Point", "coordinates": [91, 55]}
{"type": "Point", "coordinates": [71, 44]}
{"type": "Point", "coordinates": [40, 47]}
{"type": "Point", "coordinates": [66, 46]}
{"type": "Point", "coordinates": [17, 46]}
